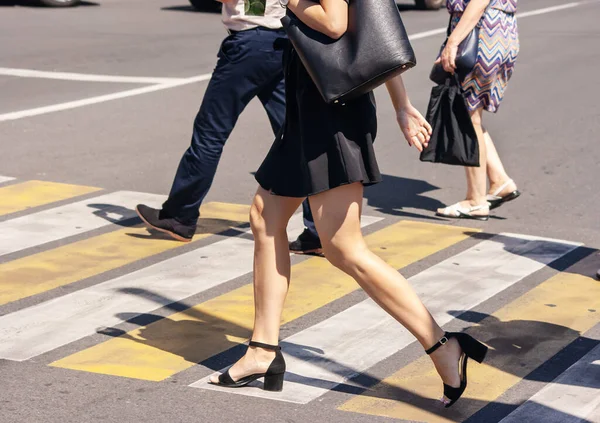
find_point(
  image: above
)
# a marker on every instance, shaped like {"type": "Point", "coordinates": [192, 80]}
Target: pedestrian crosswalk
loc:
{"type": "Point", "coordinates": [571, 398]}
{"type": "Point", "coordinates": [559, 308]}
{"type": "Point", "coordinates": [458, 283]}
{"type": "Point", "coordinates": [30, 194]}
{"type": "Point", "coordinates": [51, 238]}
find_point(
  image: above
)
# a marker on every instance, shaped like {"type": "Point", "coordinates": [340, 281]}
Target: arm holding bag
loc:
{"type": "Point", "coordinates": [374, 49]}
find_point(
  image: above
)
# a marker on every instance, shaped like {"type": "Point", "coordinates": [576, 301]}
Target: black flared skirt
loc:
{"type": "Point", "coordinates": [320, 146]}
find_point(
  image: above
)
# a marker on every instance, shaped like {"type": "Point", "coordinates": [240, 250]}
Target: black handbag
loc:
{"type": "Point", "coordinates": [466, 56]}
{"type": "Point", "coordinates": [453, 140]}
{"type": "Point", "coordinates": [374, 49]}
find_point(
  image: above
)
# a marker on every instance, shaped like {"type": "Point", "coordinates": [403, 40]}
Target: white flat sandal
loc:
{"type": "Point", "coordinates": [495, 201]}
{"type": "Point", "coordinates": [456, 211]}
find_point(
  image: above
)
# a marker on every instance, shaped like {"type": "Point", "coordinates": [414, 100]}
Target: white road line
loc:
{"type": "Point", "coordinates": [426, 34]}
{"type": "Point", "coordinates": [549, 9]}
{"type": "Point", "coordinates": [327, 354]}
{"type": "Point", "coordinates": [177, 83]}
{"type": "Point", "coordinates": [574, 396]}
{"type": "Point", "coordinates": [520, 15]}
{"type": "Point", "coordinates": [71, 219]}
{"type": "Point", "coordinates": [5, 179]}
{"type": "Point", "coordinates": [44, 327]}
{"type": "Point", "coordinates": [69, 76]}
{"type": "Point", "coordinates": [100, 99]}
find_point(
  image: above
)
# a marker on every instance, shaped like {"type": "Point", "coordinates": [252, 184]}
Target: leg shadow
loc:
{"type": "Point", "coordinates": [395, 194]}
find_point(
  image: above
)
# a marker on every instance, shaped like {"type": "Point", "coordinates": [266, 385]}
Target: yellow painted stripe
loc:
{"type": "Point", "coordinates": [176, 343]}
{"type": "Point", "coordinates": [523, 335]}
{"type": "Point", "coordinates": [73, 262]}
{"type": "Point", "coordinates": [23, 196]}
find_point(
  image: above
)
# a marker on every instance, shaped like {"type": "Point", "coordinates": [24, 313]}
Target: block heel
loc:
{"type": "Point", "coordinates": [273, 377]}
{"type": "Point", "coordinates": [274, 382]}
{"type": "Point", "coordinates": [471, 348]}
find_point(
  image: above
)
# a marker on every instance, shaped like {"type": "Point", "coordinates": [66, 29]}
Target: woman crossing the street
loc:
{"type": "Point", "coordinates": [326, 153]}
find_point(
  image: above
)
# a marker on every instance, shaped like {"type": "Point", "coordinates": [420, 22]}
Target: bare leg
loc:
{"type": "Point", "coordinates": [337, 217]}
{"type": "Point", "coordinates": [495, 170]}
{"type": "Point", "coordinates": [269, 217]}
{"type": "Point", "coordinates": [476, 176]}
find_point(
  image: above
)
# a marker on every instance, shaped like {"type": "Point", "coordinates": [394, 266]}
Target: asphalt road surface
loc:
{"type": "Point", "coordinates": [102, 321]}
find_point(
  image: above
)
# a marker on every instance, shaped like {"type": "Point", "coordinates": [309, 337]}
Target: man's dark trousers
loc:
{"type": "Point", "coordinates": [250, 64]}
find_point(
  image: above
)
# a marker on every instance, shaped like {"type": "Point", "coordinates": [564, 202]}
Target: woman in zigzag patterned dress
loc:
{"type": "Point", "coordinates": [484, 90]}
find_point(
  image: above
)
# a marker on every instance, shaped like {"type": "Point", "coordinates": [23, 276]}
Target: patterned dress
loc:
{"type": "Point", "coordinates": [498, 50]}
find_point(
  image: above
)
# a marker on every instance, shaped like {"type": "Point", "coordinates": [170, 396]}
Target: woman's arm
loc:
{"type": "Point", "coordinates": [329, 17]}
{"type": "Point", "coordinates": [413, 125]}
{"type": "Point", "coordinates": [468, 21]}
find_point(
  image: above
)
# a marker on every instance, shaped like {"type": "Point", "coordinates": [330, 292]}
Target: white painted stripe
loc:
{"type": "Point", "coordinates": [71, 219]}
{"type": "Point", "coordinates": [100, 99]}
{"type": "Point", "coordinates": [327, 354]}
{"type": "Point", "coordinates": [69, 76]}
{"type": "Point", "coordinates": [177, 83]}
{"type": "Point", "coordinates": [44, 327]}
{"type": "Point", "coordinates": [593, 417]}
{"type": "Point", "coordinates": [573, 396]}
{"type": "Point", "coordinates": [520, 15]}
{"type": "Point", "coordinates": [426, 34]}
{"type": "Point", "coordinates": [5, 179]}
{"type": "Point", "coordinates": [548, 9]}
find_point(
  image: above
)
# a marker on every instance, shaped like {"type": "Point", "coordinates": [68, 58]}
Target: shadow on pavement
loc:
{"type": "Point", "coordinates": [513, 343]}
{"type": "Point", "coordinates": [539, 249]}
{"type": "Point", "coordinates": [396, 193]}
{"type": "Point", "coordinates": [518, 348]}
{"type": "Point", "coordinates": [114, 214]}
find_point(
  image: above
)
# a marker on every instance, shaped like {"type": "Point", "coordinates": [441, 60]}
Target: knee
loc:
{"type": "Point", "coordinates": [347, 257]}
{"type": "Point", "coordinates": [258, 223]}
{"type": "Point", "coordinates": [263, 222]}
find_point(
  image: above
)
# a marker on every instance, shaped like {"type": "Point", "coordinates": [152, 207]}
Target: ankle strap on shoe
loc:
{"type": "Point", "coordinates": [445, 338]}
{"type": "Point", "coordinates": [265, 346]}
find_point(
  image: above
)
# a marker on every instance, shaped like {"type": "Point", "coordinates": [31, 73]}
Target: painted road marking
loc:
{"type": "Point", "coordinates": [26, 195]}
{"type": "Point", "coordinates": [171, 345]}
{"type": "Point", "coordinates": [72, 219]}
{"type": "Point", "coordinates": [35, 330]}
{"type": "Point", "coordinates": [5, 179]}
{"type": "Point", "coordinates": [100, 99]}
{"type": "Point", "coordinates": [572, 397]}
{"type": "Point", "coordinates": [80, 260]}
{"type": "Point", "coordinates": [69, 76]}
{"type": "Point", "coordinates": [523, 335]}
{"type": "Point", "coordinates": [327, 354]}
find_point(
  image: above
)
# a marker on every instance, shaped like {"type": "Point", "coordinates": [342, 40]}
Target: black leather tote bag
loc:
{"type": "Point", "coordinates": [374, 49]}
{"type": "Point", "coordinates": [466, 56]}
{"type": "Point", "coordinates": [453, 140]}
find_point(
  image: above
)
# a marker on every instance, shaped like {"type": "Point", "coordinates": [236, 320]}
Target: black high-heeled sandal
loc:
{"type": "Point", "coordinates": [273, 376]}
{"type": "Point", "coordinates": [471, 348]}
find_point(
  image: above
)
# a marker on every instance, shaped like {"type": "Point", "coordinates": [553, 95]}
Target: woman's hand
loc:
{"type": "Point", "coordinates": [448, 57]}
{"type": "Point", "coordinates": [413, 125]}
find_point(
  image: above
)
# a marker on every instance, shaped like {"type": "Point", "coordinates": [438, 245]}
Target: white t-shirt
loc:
{"type": "Point", "coordinates": [248, 14]}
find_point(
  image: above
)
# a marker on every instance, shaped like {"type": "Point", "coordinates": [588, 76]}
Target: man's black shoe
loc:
{"type": "Point", "coordinates": [177, 230]}
{"type": "Point", "coordinates": [307, 243]}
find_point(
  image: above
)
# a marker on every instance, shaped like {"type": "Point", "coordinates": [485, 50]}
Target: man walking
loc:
{"type": "Point", "coordinates": [249, 65]}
